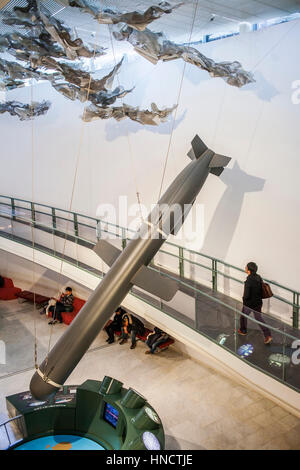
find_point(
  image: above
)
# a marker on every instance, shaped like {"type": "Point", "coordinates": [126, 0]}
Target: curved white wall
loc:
{"type": "Point", "coordinates": [251, 212]}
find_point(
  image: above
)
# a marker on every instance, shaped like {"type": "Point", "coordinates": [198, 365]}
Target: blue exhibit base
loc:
{"type": "Point", "coordinates": [60, 442]}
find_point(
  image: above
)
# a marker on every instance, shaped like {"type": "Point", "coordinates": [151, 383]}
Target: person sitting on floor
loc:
{"type": "Point", "coordinates": [133, 326]}
{"type": "Point", "coordinates": [65, 304]}
{"type": "Point", "coordinates": [155, 339]}
{"type": "Point", "coordinates": [115, 325]}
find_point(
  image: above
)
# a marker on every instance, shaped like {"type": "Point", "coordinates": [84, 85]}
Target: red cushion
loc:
{"type": "Point", "coordinates": [7, 283]}
{"type": "Point", "coordinates": [31, 296]}
{"type": "Point", "coordinates": [166, 343]}
{"type": "Point", "coordinates": [144, 336]}
{"type": "Point", "coordinates": [78, 304]}
{"type": "Point", "coordinates": [9, 293]}
{"type": "Point", "coordinates": [68, 317]}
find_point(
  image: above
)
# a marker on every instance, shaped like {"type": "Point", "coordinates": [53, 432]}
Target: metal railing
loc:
{"type": "Point", "coordinates": [12, 431]}
{"type": "Point", "coordinates": [222, 320]}
{"type": "Point", "coordinates": [214, 266]}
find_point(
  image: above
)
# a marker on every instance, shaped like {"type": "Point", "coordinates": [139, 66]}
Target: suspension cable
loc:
{"type": "Point", "coordinates": [177, 102]}
{"type": "Point", "coordinates": [132, 163]}
{"type": "Point", "coordinates": [73, 189]}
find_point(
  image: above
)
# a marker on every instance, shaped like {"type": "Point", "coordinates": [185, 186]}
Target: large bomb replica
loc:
{"type": "Point", "coordinates": [128, 268]}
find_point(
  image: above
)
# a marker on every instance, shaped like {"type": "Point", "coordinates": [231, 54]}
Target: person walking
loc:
{"type": "Point", "coordinates": [252, 302]}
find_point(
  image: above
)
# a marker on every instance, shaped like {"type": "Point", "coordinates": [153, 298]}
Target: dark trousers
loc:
{"type": "Point", "coordinates": [132, 335]}
{"type": "Point", "coordinates": [57, 310]}
{"type": "Point", "coordinates": [257, 316]}
{"type": "Point", "coordinates": [156, 343]}
{"type": "Point", "coordinates": [110, 330]}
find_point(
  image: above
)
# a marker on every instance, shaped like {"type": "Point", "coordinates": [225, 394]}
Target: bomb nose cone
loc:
{"type": "Point", "coordinates": [41, 390]}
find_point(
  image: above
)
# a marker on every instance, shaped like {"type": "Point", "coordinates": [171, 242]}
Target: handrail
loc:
{"type": "Point", "coordinates": [196, 289]}
{"type": "Point", "coordinates": [220, 302]}
{"type": "Point", "coordinates": [295, 303]}
{"type": "Point", "coordinates": [10, 420]}
{"type": "Point", "coordinates": [163, 308]}
{"type": "Point", "coordinates": [5, 423]}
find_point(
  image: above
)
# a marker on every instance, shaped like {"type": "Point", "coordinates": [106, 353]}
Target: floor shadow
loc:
{"type": "Point", "coordinates": [223, 225]}
{"type": "Point", "coordinates": [19, 342]}
{"type": "Point", "coordinates": [115, 129]}
{"type": "Point", "coordinates": [173, 443]}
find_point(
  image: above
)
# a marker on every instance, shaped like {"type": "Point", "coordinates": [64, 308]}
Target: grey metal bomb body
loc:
{"type": "Point", "coordinates": [127, 268]}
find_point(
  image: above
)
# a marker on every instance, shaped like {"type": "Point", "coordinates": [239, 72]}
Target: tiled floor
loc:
{"type": "Point", "coordinates": [200, 408]}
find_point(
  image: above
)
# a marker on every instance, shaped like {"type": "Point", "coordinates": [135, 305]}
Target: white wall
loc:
{"type": "Point", "coordinates": [37, 278]}
{"type": "Point", "coordinates": [251, 212]}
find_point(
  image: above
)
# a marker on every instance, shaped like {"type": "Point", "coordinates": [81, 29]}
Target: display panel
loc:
{"type": "Point", "coordinates": [111, 415]}
{"type": "Point", "coordinates": [245, 350]}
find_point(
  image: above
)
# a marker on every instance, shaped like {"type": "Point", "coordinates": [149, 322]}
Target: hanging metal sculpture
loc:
{"type": "Point", "coordinates": [25, 112]}
{"type": "Point", "coordinates": [51, 52]}
{"type": "Point", "coordinates": [151, 118]}
{"type": "Point", "coordinates": [136, 19]}
{"type": "Point", "coordinates": [155, 47]}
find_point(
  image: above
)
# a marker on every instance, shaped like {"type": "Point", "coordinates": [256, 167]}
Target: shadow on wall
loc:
{"type": "Point", "coordinates": [52, 284]}
{"type": "Point", "coordinates": [262, 88]}
{"type": "Point", "coordinates": [116, 129]}
{"type": "Point", "coordinates": [223, 225]}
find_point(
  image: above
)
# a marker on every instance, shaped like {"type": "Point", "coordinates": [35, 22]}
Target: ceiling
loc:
{"type": "Point", "coordinates": [177, 25]}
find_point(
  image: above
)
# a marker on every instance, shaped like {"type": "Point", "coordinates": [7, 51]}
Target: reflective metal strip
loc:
{"type": "Point", "coordinates": [156, 228]}
{"type": "Point", "coordinates": [47, 380]}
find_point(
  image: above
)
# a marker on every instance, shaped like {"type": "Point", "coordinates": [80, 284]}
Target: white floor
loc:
{"type": "Point", "coordinates": [200, 408]}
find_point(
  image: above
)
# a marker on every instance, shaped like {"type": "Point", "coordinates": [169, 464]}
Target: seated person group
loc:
{"type": "Point", "coordinates": [129, 325]}
{"type": "Point", "coordinates": [123, 322]}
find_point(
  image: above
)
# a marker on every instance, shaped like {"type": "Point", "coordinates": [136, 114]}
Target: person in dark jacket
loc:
{"type": "Point", "coordinates": [155, 339]}
{"type": "Point", "coordinates": [115, 325]}
{"type": "Point", "coordinates": [133, 326]}
{"type": "Point", "coordinates": [65, 304]}
{"type": "Point", "coordinates": [252, 301]}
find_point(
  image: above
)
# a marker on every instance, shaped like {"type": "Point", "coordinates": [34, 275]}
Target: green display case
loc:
{"type": "Point", "coordinates": [103, 411]}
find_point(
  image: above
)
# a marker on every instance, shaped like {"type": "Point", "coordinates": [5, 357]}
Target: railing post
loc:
{"type": "Point", "coordinates": [53, 218]}
{"type": "Point", "coordinates": [32, 214]}
{"type": "Point", "coordinates": [13, 208]}
{"type": "Point", "coordinates": [214, 274]}
{"type": "Point", "coordinates": [181, 262]}
{"type": "Point", "coordinates": [296, 308]}
{"type": "Point", "coordinates": [75, 224]}
{"type": "Point", "coordinates": [8, 438]}
{"type": "Point", "coordinates": [124, 240]}
{"type": "Point", "coordinates": [98, 230]}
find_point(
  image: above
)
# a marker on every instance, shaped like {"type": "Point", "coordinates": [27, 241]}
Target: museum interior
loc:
{"type": "Point", "coordinates": [149, 225]}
